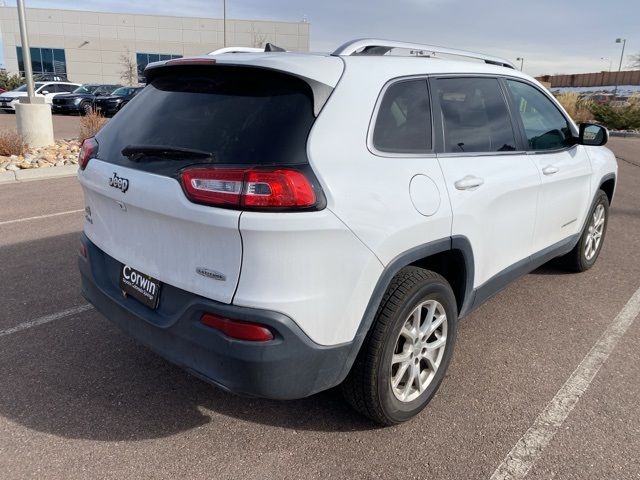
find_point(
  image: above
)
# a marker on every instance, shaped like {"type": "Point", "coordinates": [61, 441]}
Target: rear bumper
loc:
{"type": "Point", "coordinates": [288, 367]}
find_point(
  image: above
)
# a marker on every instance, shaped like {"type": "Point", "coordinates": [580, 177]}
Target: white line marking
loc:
{"type": "Point", "coordinates": [18, 220]}
{"type": "Point", "coordinates": [529, 448]}
{"type": "Point", "coordinates": [46, 319]}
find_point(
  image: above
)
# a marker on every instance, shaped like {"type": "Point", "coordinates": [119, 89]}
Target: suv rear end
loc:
{"type": "Point", "coordinates": [200, 199]}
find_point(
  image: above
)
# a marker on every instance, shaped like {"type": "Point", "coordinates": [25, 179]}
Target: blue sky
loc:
{"type": "Point", "coordinates": [553, 36]}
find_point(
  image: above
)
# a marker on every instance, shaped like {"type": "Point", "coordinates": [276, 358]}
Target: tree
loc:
{"type": "Point", "coordinates": [258, 40]}
{"type": "Point", "coordinates": [129, 72]}
{"type": "Point", "coordinates": [635, 60]}
{"type": "Point", "coordinates": [10, 81]}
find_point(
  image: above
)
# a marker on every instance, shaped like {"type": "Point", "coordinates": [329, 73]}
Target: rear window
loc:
{"type": "Point", "coordinates": [240, 115]}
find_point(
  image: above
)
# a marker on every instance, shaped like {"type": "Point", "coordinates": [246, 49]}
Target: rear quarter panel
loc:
{"type": "Point", "coordinates": [369, 192]}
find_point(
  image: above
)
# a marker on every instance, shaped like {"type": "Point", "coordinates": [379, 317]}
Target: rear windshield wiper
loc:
{"type": "Point", "coordinates": [136, 153]}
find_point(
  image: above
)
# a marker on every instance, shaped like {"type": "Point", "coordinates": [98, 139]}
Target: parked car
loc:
{"type": "Point", "coordinates": [282, 223]}
{"type": "Point", "coordinates": [81, 99]}
{"type": "Point", "coordinates": [48, 90]}
{"type": "Point", "coordinates": [111, 104]}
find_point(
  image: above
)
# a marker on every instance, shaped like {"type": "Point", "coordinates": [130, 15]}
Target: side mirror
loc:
{"type": "Point", "coordinates": [593, 135]}
{"type": "Point", "coordinates": [44, 92]}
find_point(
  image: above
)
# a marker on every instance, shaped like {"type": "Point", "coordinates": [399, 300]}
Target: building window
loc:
{"type": "Point", "coordinates": [45, 62]}
{"type": "Point", "coordinates": [143, 59]}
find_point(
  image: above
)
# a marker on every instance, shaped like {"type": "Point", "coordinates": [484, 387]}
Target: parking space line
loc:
{"type": "Point", "coordinates": [529, 448]}
{"type": "Point", "coordinates": [18, 220]}
{"type": "Point", "coordinates": [46, 319]}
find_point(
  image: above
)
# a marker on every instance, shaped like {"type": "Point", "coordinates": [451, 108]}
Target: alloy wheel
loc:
{"type": "Point", "coordinates": [594, 233]}
{"type": "Point", "coordinates": [419, 350]}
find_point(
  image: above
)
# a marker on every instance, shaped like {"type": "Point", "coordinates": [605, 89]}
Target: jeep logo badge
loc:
{"type": "Point", "coordinates": [119, 183]}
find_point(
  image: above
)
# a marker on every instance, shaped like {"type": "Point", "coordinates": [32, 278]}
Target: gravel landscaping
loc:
{"type": "Point", "coordinates": [63, 152]}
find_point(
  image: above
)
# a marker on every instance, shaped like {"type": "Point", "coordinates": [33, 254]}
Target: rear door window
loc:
{"type": "Point", "coordinates": [475, 117]}
{"type": "Point", "coordinates": [239, 115]}
{"type": "Point", "coordinates": [50, 88]}
{"type": "Point", "coordinates": [403, 124]}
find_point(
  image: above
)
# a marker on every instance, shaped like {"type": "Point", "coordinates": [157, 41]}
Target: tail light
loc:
{"type": "Point", "coordinates": [249, 188]}
{"type": "Point", "coordinates": [88, 150]}
{"type": "Point", "coordinates": [240, 330]}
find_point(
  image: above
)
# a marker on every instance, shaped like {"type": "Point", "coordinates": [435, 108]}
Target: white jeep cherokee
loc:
{"type": "Point", "coordinates": [281, 223]}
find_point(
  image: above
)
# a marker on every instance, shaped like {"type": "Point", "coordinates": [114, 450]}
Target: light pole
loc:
{"type": "Point", "coordinates": [521, 60]}
{"type": "Point", "coordinates": [26, 51]}
{"type": "Point", "coordinates": [33, 115]}
{"type": "Point", "coordinates": [623, 41]}
{"type": "Point", "coordinates": [224, 23]}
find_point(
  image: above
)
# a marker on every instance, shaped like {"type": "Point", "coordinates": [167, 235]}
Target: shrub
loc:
{"type": "Point", "coordinates": [10, 82]}
{"type": "Point", "coordinates": [577, 108]}
{"type": "Point", "coordinates": [11, 143]}
{"type": "Point", "coordinates": [618, 118]}
{"type": "Point", "coordinates": [91, 123]}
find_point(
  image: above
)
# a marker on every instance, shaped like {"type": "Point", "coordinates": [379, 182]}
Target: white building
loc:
{"type": "Point", "coordinates": [88, 46]}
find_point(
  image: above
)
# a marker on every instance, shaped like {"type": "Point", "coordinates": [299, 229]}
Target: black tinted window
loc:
{"type": "Point", "coordinates": [474, 115]}
{"type": "Point", "coordinates": [403, 124]}
{"type": "Point", "coordinates": [239, 115]}
{"type": "Point", "coordinates": [545, 126]}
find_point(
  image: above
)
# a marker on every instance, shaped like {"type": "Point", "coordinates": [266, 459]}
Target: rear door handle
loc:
{"type": "Point", "coordinates": [469, 182]}
{"type": "Point", "coordinates": [550, 170]}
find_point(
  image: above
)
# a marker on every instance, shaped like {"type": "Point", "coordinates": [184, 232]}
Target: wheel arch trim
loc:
{"type": "Point", "coordinates": [606, 178]}
{"type": "Point", "coordinates": [457, 242]}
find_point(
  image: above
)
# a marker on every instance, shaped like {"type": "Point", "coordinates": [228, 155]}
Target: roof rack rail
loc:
{"type": "Point", "coordinates": [375, 46]}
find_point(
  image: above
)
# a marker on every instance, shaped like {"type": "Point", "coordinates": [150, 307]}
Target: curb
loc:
{"type": "Point", "coordinates": [624, 134]}
{"type": "Point", "coordinates": [31, 174]}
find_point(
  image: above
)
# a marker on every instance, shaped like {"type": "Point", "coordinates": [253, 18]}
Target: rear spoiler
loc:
{"type": "Point", "coordinates": [269, 47]}
{"type": "Point", "coordinates": [321, 91]}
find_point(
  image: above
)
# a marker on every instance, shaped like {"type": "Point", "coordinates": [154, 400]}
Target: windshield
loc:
{"type": "Point", "coordinates": [240, 116]}
{"type": "Point", "coordinates": [86, 89]}
{"type": "Point", "coordinates": [123, 91]}
{"type": "Point", "coordinates": [23, 88]}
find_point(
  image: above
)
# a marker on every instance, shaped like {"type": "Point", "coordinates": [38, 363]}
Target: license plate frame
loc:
{"type": "Point", "coordinates": [140, 286]}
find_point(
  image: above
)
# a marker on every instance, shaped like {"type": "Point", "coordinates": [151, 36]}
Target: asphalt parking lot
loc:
{"type": "Point", "coordinates": [80, 400]}
{"type": "Point", "coordinates": [64, 126]}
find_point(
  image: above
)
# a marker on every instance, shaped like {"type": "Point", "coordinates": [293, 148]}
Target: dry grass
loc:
{"type": "Point", "coordinates": [90, 124]}
{"type": "Point", "coordinates": [11, 143]}
{"type": "Point", "coordinates": [578, 109]}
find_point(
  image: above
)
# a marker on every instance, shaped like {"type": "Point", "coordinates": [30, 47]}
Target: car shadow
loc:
{"type": "Point", "coordinates": [80, 377]}
{"type": "Point", "coordinates": [554, 266]}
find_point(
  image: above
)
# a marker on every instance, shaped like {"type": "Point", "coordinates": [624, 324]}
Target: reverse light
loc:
{"type": "Point", "coordinates": [251, 188]}
{"type": "Point", "coordinates": [88, 150]}
{"type": "Point", "coordinates": [240, 330]}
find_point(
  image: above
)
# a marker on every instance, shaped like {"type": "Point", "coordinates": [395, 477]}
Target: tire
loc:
{"type": "Point", "coordinates": [579, 259]}
{"type": "Point", "coordinates": [85, 108]}
{"type": "Point", "coordinates": [368, 387]}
